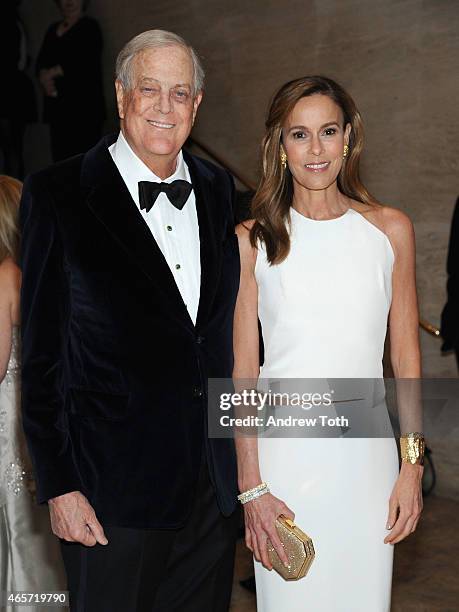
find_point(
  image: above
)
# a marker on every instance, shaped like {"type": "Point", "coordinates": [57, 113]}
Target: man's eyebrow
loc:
{"type": "Point", "coordinates": [145, 79]}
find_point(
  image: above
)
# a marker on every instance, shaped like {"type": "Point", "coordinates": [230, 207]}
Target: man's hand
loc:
{"type": "Point", "coordinates": [73, 519]}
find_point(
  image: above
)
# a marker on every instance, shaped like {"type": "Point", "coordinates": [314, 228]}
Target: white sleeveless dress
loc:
{"type": "Point", "coordinates": [324, 312]}
{"type": "Point", "coordinates": [29, 552]}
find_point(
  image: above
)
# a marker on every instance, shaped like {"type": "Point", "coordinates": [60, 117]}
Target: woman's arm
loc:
{"type": "Point", "coordinates": [6, 322]}
{"type": "Point", "coordinates": [405, 504]}
{"type": "Point", "coordinates": [246, 353]}
{"type": "Point", "coordinates": [404, 315]}
{"type": "Point", "coordinates": [46, 57]}
{"type": "Point", "coordinates": [46, 67]}
{"type": "Point", "coordinates": [260, 514]}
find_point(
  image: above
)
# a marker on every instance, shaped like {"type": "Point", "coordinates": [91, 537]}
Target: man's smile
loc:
{"type": "Point", "coordinates": [160, 125]}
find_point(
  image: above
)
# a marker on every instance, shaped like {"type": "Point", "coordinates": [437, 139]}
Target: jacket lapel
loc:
{"type": "Point", "coordinates": [110, 201]}
{"type": "Point", "coordinates": [210, 249]}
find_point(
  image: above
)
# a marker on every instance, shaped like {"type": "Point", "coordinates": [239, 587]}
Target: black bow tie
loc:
{"type": "Point", "coordinates": [177, 193]}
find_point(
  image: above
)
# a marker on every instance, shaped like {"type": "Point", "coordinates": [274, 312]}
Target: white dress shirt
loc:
{"type": "Point", "coordinates": [175, 231]}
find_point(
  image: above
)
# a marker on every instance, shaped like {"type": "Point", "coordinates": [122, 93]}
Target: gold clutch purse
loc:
{"type": "Point", "coordinates": [298, 546]}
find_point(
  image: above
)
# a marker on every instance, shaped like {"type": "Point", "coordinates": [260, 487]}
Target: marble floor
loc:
{"type": "Point", "coordinates": [426, 567]}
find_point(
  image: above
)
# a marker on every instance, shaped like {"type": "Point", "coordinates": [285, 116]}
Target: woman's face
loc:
{"type": "Point", "coordinates": [313, 138]}
{"type": "Point", "coordinates": [71, 8]}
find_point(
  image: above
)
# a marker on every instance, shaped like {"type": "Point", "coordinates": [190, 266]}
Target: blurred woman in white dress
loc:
{"type": "Point", "coordinates": [29, 553]}
{"type": "Point", "coordinates": [325, 268]}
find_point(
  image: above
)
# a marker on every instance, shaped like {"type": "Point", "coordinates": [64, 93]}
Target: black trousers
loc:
{"type": "Point", "coordinates": [184, 570]}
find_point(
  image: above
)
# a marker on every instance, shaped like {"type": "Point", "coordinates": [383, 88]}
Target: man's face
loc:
{"type": "Point", "coordinates": [158, 112]}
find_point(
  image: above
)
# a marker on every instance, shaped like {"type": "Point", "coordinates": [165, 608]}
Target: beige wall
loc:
{"type": "Point", "coordinates": [398, 58]}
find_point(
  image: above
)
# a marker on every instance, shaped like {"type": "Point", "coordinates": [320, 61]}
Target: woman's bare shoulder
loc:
{"type": "Point", "coordinates": [10, 282]}
{"type": "Point", "coordinates": [10, 274]}
{"type": "Point", "coordinates": [390, 220]}
{"type": "Point", "coordinates": [243, 229]}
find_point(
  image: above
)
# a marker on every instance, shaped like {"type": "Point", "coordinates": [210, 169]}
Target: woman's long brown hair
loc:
{"type": "Point", "coordinates": [271, 204]}
{"type": "Point", "coordinates": [10, 195]}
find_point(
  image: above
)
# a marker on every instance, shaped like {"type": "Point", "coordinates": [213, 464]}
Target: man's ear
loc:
{"type": "Point", "coordinates": [120, 98]}
{"type": "Point", "coordinates": [196, 103]}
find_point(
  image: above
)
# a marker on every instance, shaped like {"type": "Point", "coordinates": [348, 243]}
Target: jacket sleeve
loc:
{"type": "Point", "coordinates": [232, 220]}
{"type": "Point", "coordinates": [44, 314]}
{"type": "Point", "coordinates": [450, 315]}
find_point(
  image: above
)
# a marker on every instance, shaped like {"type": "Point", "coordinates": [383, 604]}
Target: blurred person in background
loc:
{"type": "Point", "coordinates": [18, 108]}
{"type": "Point", "coordinates": [70, 73]}
{"type": "Point", "coordinates": [29, 554]}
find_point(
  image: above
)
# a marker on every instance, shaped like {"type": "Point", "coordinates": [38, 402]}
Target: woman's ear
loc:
{"type": "Point", "coordinates": [347, 133]}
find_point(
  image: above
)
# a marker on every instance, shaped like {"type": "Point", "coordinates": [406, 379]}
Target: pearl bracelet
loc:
{"type": "Point", "coordinates": [251, 494]}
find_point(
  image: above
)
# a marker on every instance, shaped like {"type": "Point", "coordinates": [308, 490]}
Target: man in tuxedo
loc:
{"type": "Point", "coordinates": [130, 275]}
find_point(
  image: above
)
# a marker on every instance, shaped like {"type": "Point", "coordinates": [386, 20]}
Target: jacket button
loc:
{"type": "Point", "coordinates": [197, 392]}
{"type": "Point", "coordinates": [200, 339]}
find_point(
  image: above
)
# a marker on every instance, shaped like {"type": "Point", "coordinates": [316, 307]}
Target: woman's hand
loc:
{"type": "Point", "coordinates": [47, 77]}
{"type": "Point", "coordinates": [406, 502]}
{"type": "Point", "coordinates": [260, 516]}
{"type": "Point", "coordinates": [47, 82]}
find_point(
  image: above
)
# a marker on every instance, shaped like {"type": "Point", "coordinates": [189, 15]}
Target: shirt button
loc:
{"type": "Point", "coordinates": [169, 228]}
{"type": "Point", "coordinates": [177, 266]}
{"type": "Point", "coordinates": [197, 392]}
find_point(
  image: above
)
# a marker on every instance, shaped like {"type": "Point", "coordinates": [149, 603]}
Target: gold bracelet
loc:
{"type": "Point", "coordinates": [412, 446]}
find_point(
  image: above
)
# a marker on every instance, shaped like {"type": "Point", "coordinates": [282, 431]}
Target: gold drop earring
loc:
{"type": "Point", "coordinates": [283, 158]}
{"type": "Point", "coordinates": [346, 150]}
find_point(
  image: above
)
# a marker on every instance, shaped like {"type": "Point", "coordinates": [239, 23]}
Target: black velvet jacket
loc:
{"type": "Point", "coordinates": [114, 371]}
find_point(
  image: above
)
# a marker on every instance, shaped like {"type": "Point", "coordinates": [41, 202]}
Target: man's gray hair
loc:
{"type": "Point", "coordinates": [149, 40]}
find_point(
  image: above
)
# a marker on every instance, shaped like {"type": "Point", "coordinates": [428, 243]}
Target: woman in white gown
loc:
{"type": "Point", "coordinates": [29, 552]}
{"type": "Point", "coordinates": [324, 267]}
